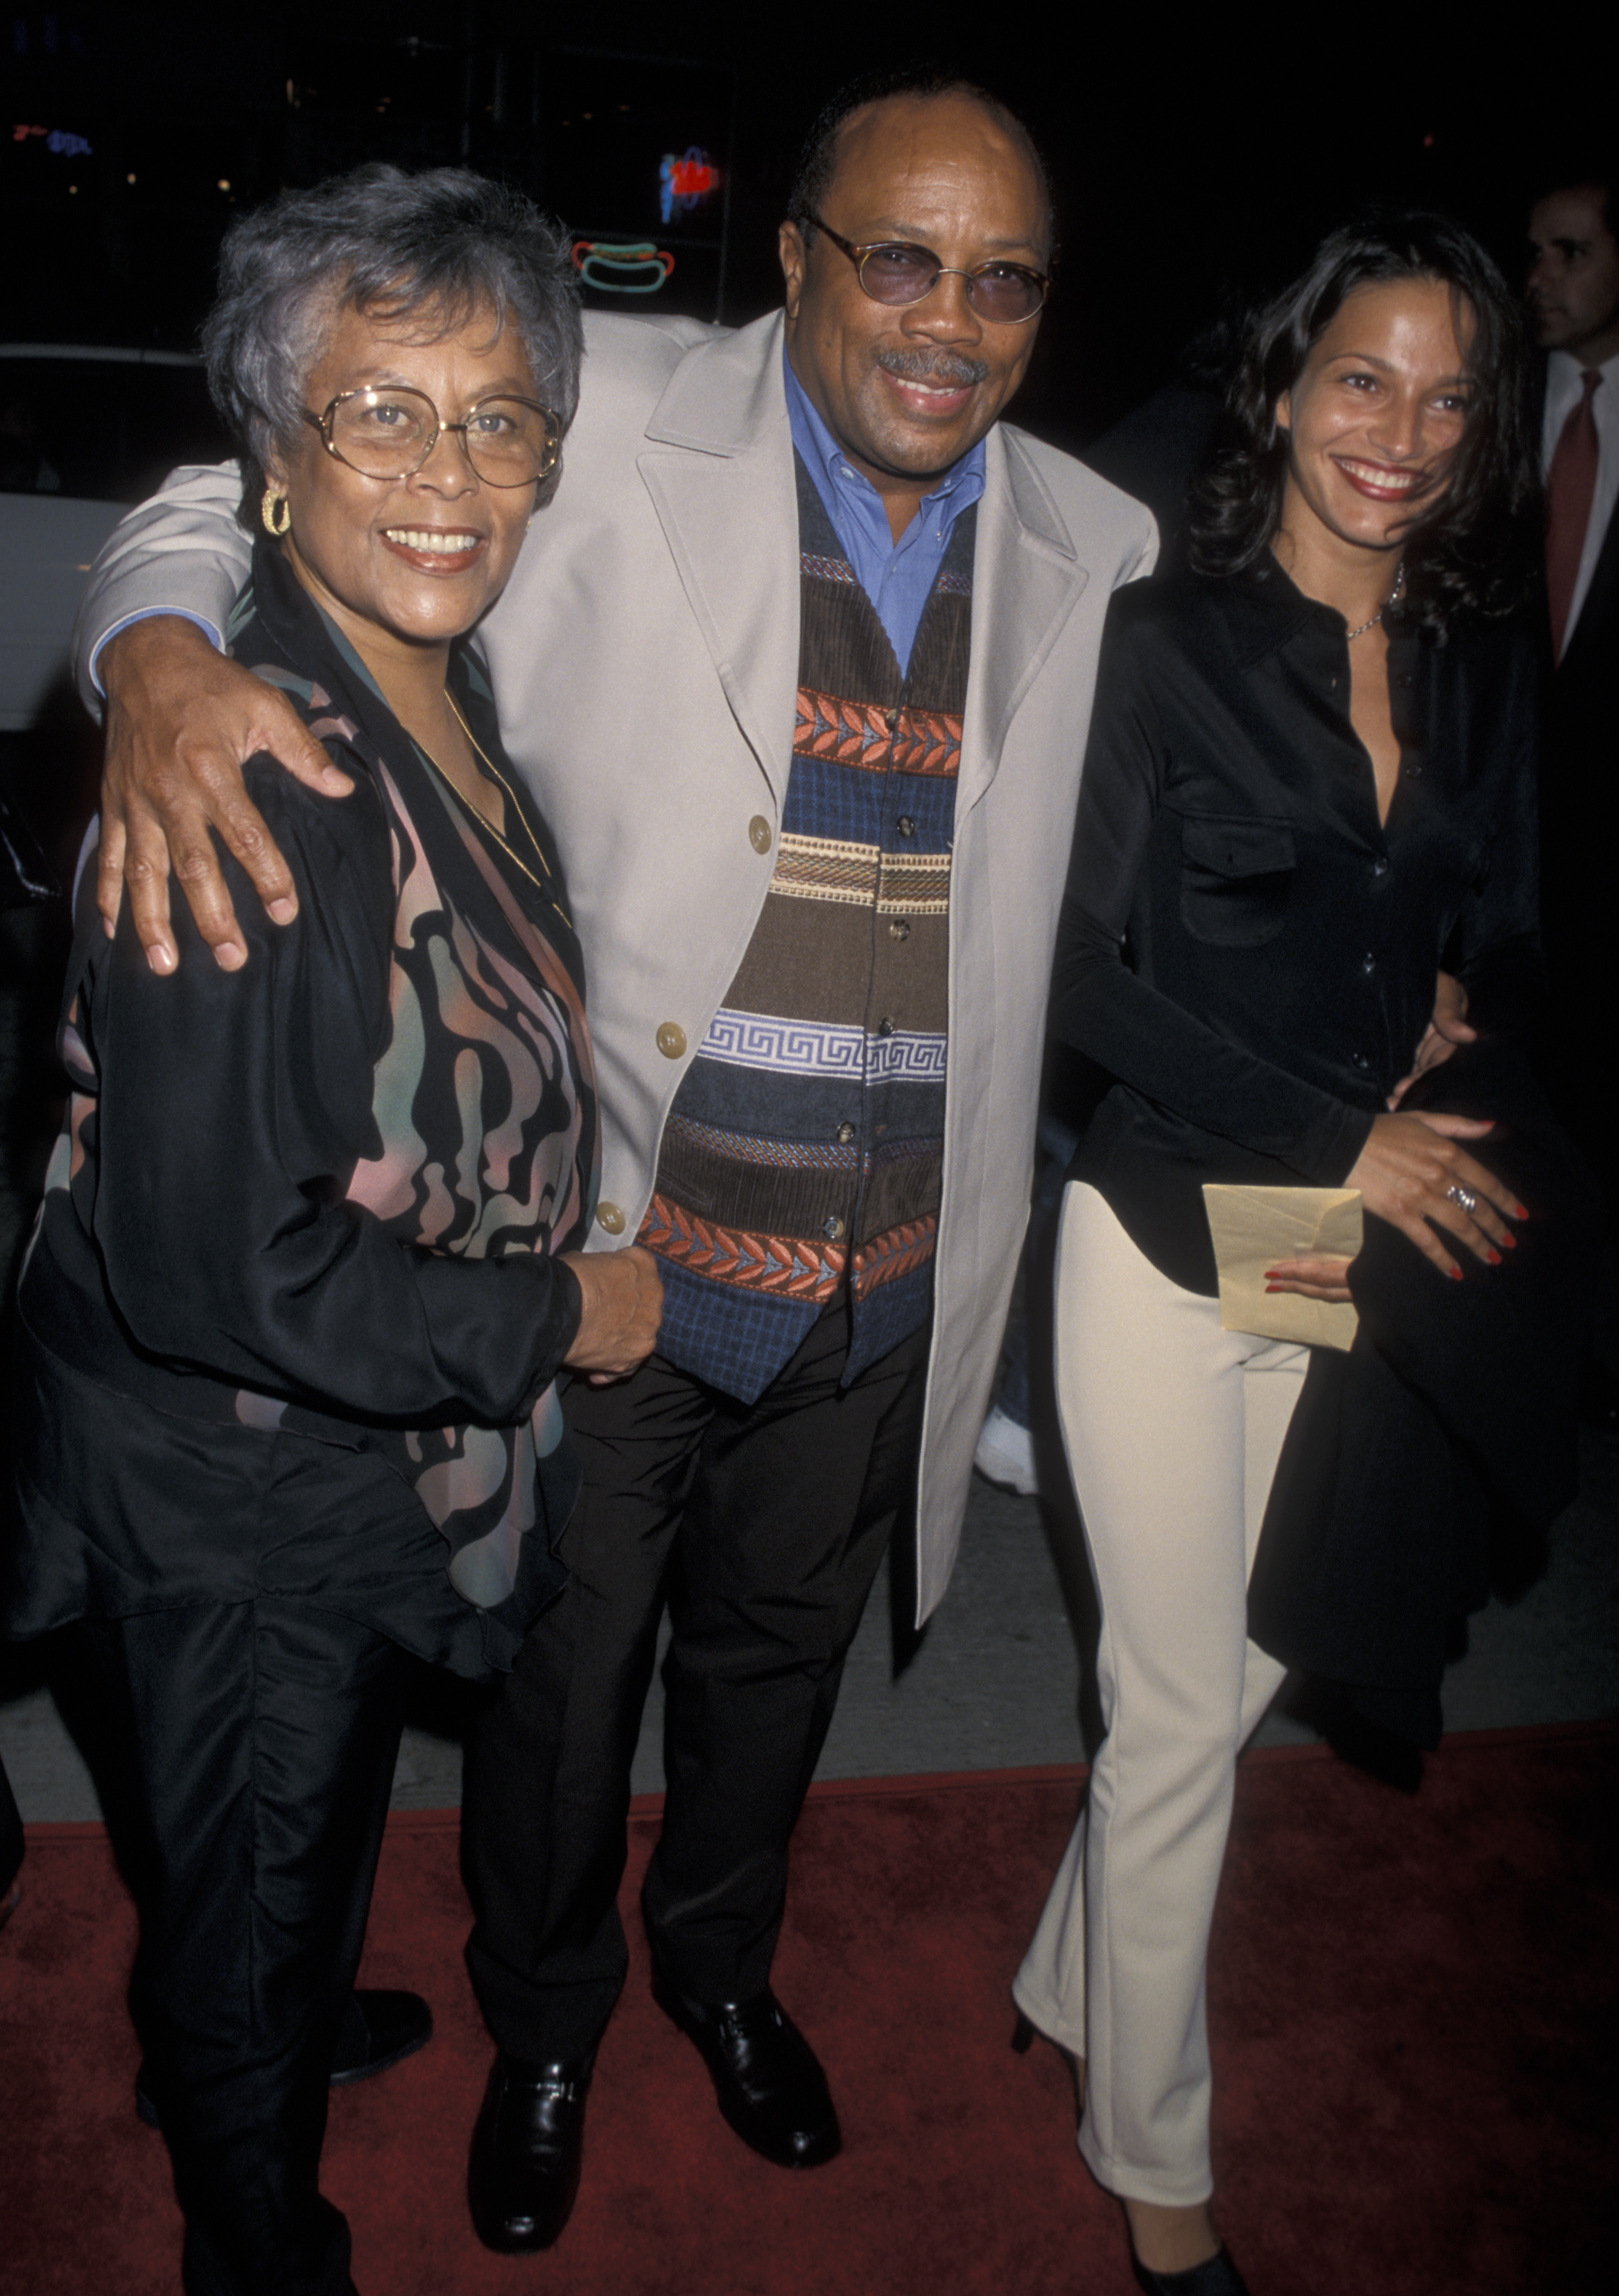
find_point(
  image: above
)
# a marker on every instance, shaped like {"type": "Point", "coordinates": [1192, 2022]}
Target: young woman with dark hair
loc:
{"type": "Point", "coordinates": [1308, 785]}
{"type": "Point", "coordinates": [1476, 544]}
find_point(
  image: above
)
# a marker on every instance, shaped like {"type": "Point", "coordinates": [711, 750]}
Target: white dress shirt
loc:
{"type": "Point", "coordinates": [1563, 391]}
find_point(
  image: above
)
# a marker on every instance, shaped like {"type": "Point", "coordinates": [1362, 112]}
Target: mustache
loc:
{"type": "Point", "coordinates": [934, 366]}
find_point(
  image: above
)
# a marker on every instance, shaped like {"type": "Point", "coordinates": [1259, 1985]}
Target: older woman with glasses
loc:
{"type": "Point", "coordinates": [309, 1264]}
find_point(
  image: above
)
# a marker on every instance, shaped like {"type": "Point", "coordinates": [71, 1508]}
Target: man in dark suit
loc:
{"type": "Point", "coordinates": [1572, 291]}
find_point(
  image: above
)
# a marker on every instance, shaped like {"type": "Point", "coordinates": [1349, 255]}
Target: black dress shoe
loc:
{"type": "Point", "coordinates": [766, 2076]}
{"type": "Point", "coordinates": [524, 2169]}
{"type": "Point", "coordinates": [378, 2030]}
{"type": "Point", "coordinates": [1216, 2275]}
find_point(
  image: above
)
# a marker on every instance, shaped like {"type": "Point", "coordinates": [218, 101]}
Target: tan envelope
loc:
{"type": "Point", "coordinates": [1253, 1229]}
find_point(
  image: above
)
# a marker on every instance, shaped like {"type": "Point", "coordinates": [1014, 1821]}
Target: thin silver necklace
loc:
{"type": "Point", "coordinates": [1393, 599]}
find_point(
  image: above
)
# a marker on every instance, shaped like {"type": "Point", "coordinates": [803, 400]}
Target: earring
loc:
{"type": "Point", "coordinates": [276, 513]}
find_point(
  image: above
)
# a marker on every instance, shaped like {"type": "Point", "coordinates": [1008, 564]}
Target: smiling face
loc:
{"type": "Point", "coordinates": [907, 391]}
{"type": "Point", "coordinates": [1375, 418]}
{"type": "Point", "coordinates": [1573, 286]}
{"type": "Point", "coordinates": [414, 562]}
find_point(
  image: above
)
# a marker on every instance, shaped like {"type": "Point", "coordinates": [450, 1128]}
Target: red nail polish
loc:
{"type": "Point", "coordinates": [1454, 1273]}
{"type": "Point", "coordinates": [1520, 1212]}
{"type": "Point", "coordinates": [1494, 1257]}
{"type": "Point", "coordinates": [1509, 1241]}
{"type": "Point", "coordinates": [1272, 1287]}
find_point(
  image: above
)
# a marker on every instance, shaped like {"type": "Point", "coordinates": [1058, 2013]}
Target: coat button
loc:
{"type": "Point", "coordinates": [905, 825]}
{"type": "Point", "coordinates": [884, 1027]}
{"type": "Point", "coordinates": [831, 1227]}
{"type": "Point", "coordinates": [610, 1217]}
{"type": "Point", "coordinates": [758, 833]}
{"type": "Point", "coordinates": [1379, 867]}
{"type": "Point", "coordinates": [899, 930]}
{"type": "Point", "coordinates": [1360, 1061]}
{"type": "Point", "coordinates": [846, 1132]}
{"type": "Point", "coordinates": [671, 1040]}
{"type": "Point", "coordinates": [1369, 963]}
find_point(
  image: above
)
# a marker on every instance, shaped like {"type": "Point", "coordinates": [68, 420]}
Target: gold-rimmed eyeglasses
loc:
{"type": "Point", "coordinates": [894, 272]}
{"type": "Point", "coordinates": [388, 432]}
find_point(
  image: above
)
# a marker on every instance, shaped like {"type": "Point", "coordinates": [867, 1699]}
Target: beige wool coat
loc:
{"type": "Point", "coordinates": [645, 660]}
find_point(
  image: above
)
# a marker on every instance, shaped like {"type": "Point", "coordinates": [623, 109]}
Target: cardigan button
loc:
{"type": "Point", "coordinates": [846, 1132]}
{"type": "Point", "coordinates": [671, 1040]}
{"type": "Point", "coordinates": [758, 833]}
{"type": "Point", "coordinates": [905, 825]}
{"type": "Point", "coordinates": [831, 1227]}
{"type": "Point", "coordinates": [610, 1218]}
{"type": "Point", "coordinates": [899, 928]}
{"type": "Point", "coordinates": [884, 1027]}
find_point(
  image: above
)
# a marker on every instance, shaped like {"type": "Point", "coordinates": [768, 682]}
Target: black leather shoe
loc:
{"type": "Point", "coordinates": [766, 2076]}
{"type": "Point", "coordinates": [378, 2030]}
{"type": "Point", "coordinates": [524, 2169]}
{"type": "Point", "coordinates": [1217, 2276]}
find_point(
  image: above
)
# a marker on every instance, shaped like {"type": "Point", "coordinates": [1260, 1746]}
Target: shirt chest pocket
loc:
{"type": "Point", "coordinates": [1237, 877]}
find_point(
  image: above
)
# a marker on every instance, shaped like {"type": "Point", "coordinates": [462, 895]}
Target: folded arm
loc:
{"type": "Point", "coordinates": [1410, 1171]}
{"type": "Point", "coordinates": [232, 1110]}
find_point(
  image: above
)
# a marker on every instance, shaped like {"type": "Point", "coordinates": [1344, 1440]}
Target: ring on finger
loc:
{"type": "Point", "coordinates": [1462, 1198]}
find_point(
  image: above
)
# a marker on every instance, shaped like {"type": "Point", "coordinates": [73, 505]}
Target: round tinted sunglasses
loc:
{"type": "Point", "coordinates": [894, 272]}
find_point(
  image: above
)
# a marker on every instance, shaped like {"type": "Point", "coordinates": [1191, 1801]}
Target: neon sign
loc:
{"type": "Point", "coordinates": [622, 266]}
{"type": "Point", "coordinates": [56, 139]}
{"type": "Point", "coordinates": [687, 182]}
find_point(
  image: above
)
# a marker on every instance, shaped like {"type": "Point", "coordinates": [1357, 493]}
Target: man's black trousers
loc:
{"type": "Point", "coordinates": [763, 1525]}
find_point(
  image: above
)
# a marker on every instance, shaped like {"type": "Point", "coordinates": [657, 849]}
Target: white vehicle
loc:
{"type": "Point", "coordinates": [83, 434]}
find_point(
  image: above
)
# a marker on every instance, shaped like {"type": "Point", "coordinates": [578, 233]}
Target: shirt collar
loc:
{"type": "Point", "coordinates": [1563, 367]}
{"type": "Point", "coordinates": [1266, 611]}
{"type": "Point", "coordinates": [961, 484]}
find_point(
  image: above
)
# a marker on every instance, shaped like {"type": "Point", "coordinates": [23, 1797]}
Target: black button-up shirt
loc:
{"type": "Point", "coordinates": [1245, 949]}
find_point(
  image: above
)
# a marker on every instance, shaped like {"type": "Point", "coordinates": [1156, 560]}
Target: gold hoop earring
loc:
{"type": "Point", "coordinates": [276, 513]}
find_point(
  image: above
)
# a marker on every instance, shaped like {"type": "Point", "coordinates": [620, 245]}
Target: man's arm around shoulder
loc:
{"type": "Point", "coordinates": [181, 551]}
{"type": "Point", "coordinates": [181, 717]}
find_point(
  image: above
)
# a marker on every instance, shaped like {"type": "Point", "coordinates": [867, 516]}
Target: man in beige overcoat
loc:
{"type": "Point", "coordinates": [799, 664]}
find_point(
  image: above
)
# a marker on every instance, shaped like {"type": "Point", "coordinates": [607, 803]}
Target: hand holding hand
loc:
{"type": "Point", "coordinates": [181, 721]}
{"type": "Point", "coordinates": [623, 1310]}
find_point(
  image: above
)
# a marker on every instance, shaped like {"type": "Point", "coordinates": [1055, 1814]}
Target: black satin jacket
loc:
{"type": "Point", "coordinates": [300, 1232]}
{"type": "Point", "coordinates": [1244, 951]}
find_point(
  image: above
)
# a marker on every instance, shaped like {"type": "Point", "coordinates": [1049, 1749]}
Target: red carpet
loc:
{"type": "Point", "coordinates": [1414, 2015]}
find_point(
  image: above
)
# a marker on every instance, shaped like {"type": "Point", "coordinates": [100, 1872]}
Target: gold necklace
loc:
{"type": "Point", "coordinates": [504, 786]}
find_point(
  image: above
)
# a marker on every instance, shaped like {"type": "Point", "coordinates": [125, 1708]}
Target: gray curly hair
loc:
{"type": "Point", "coordinates": [446, 243]}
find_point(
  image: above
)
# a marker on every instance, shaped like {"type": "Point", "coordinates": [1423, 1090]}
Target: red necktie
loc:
{"type": "Point", "coordinates": [1570, 484]}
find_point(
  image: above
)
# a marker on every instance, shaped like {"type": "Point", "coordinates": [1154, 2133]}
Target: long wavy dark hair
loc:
{"type": "Point", "coordinates": [1477, 548]}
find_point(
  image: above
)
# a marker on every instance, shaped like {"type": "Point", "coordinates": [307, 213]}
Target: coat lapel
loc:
{"type": "Point", "coordinates": [719, 466]}
{"type": "Point", "coordinates": [1027, 579]}
{"type": "Point", "coordinates": [719, 469]}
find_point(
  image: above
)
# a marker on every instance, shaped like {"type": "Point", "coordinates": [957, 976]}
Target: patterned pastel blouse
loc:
{"type": "Point", "coordinates": [316, 1201]}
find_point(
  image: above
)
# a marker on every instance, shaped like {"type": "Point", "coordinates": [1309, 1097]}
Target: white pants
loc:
{"type": "Point", "coordinates": [1174, 1428]}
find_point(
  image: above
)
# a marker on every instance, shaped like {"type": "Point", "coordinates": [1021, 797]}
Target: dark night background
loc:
{"type": "Point", "coordinates": [1191, 168]}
